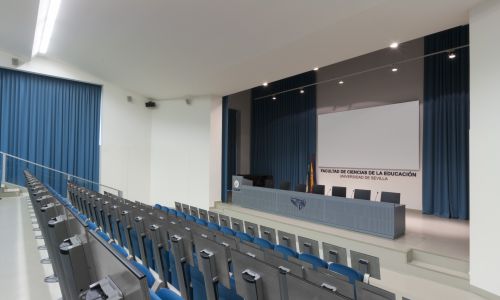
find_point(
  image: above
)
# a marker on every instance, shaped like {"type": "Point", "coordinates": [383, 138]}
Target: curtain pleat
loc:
{"type": "Point", "coordinates": [446, 126]}
{"type": "Point", "coordinates": [283, 133]}
{"type": "Point", "coordinates": [50, 121]}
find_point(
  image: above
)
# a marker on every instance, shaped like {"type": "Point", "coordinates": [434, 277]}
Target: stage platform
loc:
{"type": "Point", "coordinates": [431, 261]}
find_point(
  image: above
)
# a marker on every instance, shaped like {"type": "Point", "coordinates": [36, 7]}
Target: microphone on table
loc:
{"type": "Point", "coordinates": [352, 196]}
{"type": "Point", "coordinates": [329, 191]}
{"type": "Point", "coordinates": [376, 197]}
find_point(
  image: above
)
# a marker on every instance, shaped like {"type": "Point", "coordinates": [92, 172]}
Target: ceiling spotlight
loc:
{"type": "Point", "coordinates": [274, 98]}
{"type": "Point", "coordinates": [302, 91]}
{"type": "Point", "coordinates": [265, 83]}
{"type": "Point", "coordinates": [394, 69]}
{"type": "Point", "coordinates": [341, 82]}
{"type": "Point", "coordinates": [394, 45]}
{"type": "Point", "coordinates": [316, 69]}
{"type": "Point", "coordinates": [451, 55]}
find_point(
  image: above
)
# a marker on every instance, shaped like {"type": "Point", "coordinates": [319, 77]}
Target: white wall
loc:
{"type": "Point", "coordinates": [171, 153]}
{"type": "Point", "coordinates": [5, 60]}
{"type": "Point", "coordinates": [125, 129]}
{"type": "Point", "coordinates": [185, 156]}
{"type": "Point", "coordinates": [215, 166]}
{"type": "Point", "coordinates": [484, 146]}
{"type": "Point", "coordinates": [126, 141]}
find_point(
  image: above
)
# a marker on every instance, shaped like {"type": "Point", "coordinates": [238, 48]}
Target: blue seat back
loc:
{"type": "Point", "coordinates": [180, 214]}
{"type": "Point", "coordinates": [314, 260]}
{"type": "Point", "coordinates": [91, 225]}
{"type": "Point", "coordinates": [190, 218]}
{"type": "Point", "coordinates": [135, 243]}
{"type": "Point", "coordinates": [201, 222]}
{"type": "Point", "coordinates": [149, 276]}
{"type": "Point", "coordinates": [352, 274]}
{"type": "Point", "coordinates": [213, 226]}
{"type": "Point", "coordinates": [243, 236]}
{"type": "Point", "coordinates": [148, 245]}
{"type": "Point", "coordinates": [197, 284]}
{"type": "Point", "coordinates": [122, 235]}
{"type": "Point", "coordinates": [166, 265]}
{"type": "Point", "coordinates": [120, 250]}
{"type": "Point", "coordinates": [263, 243]}
{"type": "Point", "coordinates": [105, 224]}
{"type": "Point", "coordinates": [174, 280]}
{"type": "Point", "coordinates": [227, 230]}
{"type": "Point", "coordinates": [103, 235]}
{"type": "Point", "coordinates": [114, 234]}
{"type": "Point", "coordinates": [286, 251]}
{"type": "Point", "coordinates": [166, 294]}
{"type": "Point", "coordinates": [153, 296]}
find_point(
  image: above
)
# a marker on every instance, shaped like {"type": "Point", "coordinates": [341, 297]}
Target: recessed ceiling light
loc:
{"type": "Point", "coordinates": [302, 91]}
{"type": "Point", "coordinates": [46, 19]}
{"type": "Point", "coordinates": [316, 69]}
{"type": "Point", "coordinates": [341, 82]}
{"type": "Point", "coordinates": [394, 45]}
{"type": "Point", "coordinates": [452, 55]}
{"type": "Point", "coordinates": [265, 83]}
{"type": "Point", "coordinates": [394, 69]}
{"type": "Point", "coordinates": [274, 98]}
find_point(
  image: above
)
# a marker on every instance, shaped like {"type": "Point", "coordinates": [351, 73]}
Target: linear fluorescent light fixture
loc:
{"type": "Point", "coordinates": [46, 19]}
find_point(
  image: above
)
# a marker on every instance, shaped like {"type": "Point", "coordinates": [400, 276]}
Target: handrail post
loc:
{"type": "Point", "coordinates": [4, 166]}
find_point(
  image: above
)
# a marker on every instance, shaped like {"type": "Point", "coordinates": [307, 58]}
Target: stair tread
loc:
{"type": "Point", "coordinates": [440, 269]}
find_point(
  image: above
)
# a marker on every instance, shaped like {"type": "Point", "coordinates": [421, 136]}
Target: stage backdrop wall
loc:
{"type": "Point", "coordinates": [368, 90]}
{"type": "Point", "coordinates": [372, 89]}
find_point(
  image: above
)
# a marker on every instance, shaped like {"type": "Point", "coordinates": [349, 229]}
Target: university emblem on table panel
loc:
{"type": "Point", "coordinates": [299, 203]}
{"type": "Point", "coordinates": [236, 185]}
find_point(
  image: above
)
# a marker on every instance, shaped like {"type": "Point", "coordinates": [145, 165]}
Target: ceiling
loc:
{"type": "Point", "coordinates": [170, 49]}
{"type": "Point", "coordinates": [17, 26]}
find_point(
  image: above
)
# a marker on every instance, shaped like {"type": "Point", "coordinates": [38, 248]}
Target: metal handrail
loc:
{"type": "Point", "coordinates": [69, 176]}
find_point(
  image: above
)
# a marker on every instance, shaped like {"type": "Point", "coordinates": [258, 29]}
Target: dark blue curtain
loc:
{"type": "Point", "coordinates": [232, 128]}
{"type": "Point", "coordinates": [283, 133]}
{"type": "Point", "coordinates": [225, 128]}
{"type": "Point", "coordinates": [446, 126]}
{"type": "Point", "coordinates": [50, 121]}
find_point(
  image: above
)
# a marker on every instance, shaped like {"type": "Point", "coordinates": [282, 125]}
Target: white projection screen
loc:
{"type": "Point", "coordinates": [382, 137]}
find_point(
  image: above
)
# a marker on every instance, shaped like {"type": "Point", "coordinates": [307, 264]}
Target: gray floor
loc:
{"type": "Point", "coordinates": [21, 273]}
{"type": "Point", "coordinates": [449, 237]}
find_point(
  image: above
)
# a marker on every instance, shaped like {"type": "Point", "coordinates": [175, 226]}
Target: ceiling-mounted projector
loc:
{"type": "Point", "coordinates": [150, 104]}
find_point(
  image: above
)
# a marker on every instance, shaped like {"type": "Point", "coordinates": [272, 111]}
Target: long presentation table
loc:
{"type": "Point", "coordinates": [371, 217]}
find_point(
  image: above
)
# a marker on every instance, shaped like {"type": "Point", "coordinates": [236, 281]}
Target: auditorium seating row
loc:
{"type": "Point", "coordinates": [87, 263]}
{"type": "Point", "coordinates": [263, 246]}
{"type": "Point", "coordinates": [204, 260]}
{"type": "Point", "coordinates": [333, 257]}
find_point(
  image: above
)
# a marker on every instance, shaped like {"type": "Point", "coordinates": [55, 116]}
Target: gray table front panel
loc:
{"type": "Point", "coordinates": [376, 218]}
{"type": "Point", "coordinates": [253, 197]}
